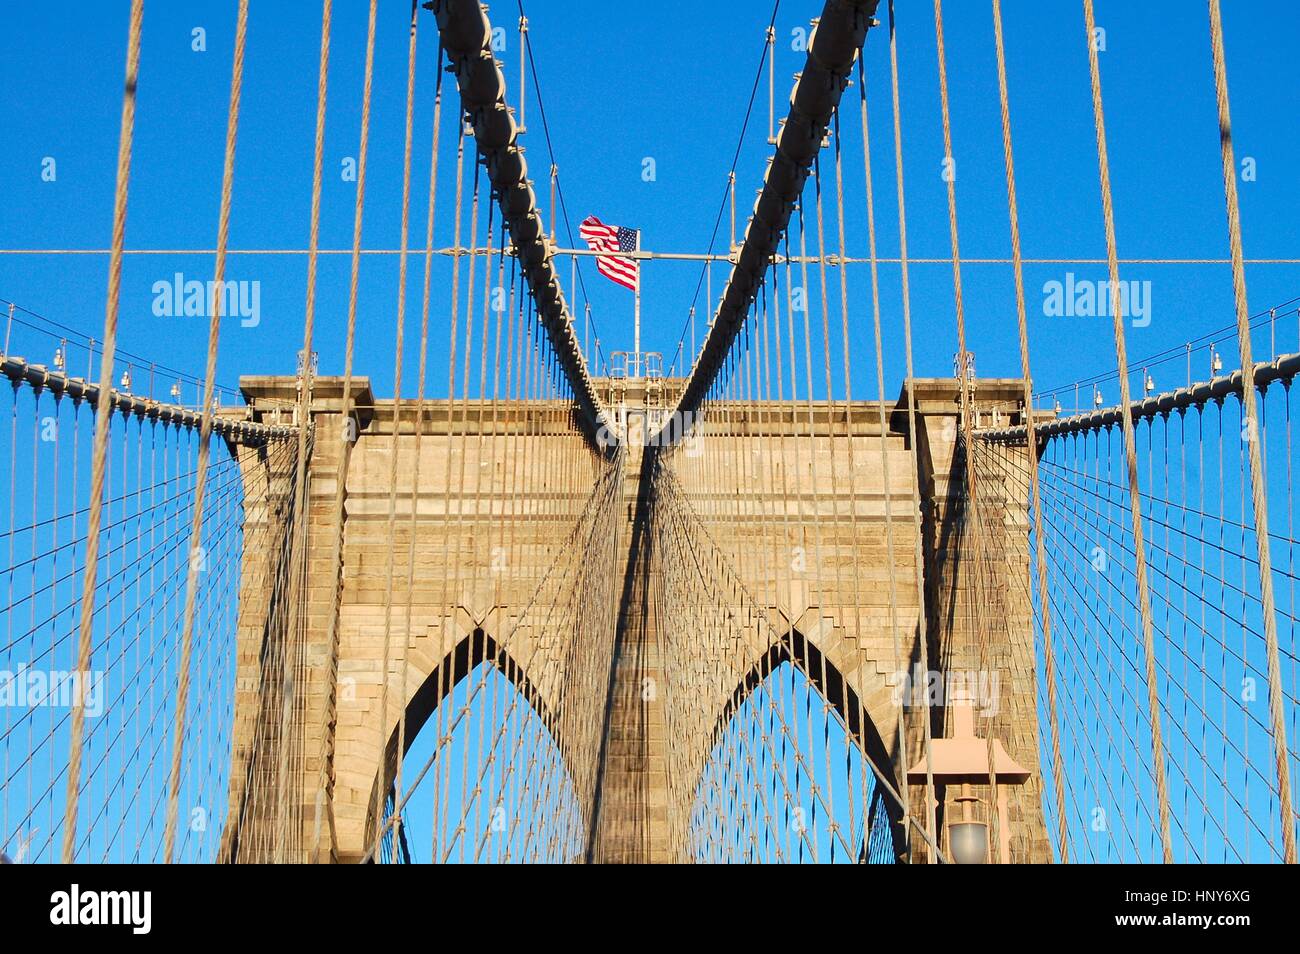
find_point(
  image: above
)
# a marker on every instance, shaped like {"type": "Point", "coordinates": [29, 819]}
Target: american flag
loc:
{"type": "Point", "coordinates": [613, 238]}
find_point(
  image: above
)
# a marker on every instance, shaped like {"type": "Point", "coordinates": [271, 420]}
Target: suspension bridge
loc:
{"type": "Point", "coordinates": [559, 607]}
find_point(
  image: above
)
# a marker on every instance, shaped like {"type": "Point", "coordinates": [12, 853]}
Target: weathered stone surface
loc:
{"type": "Point", "coordinates": [795, 500]}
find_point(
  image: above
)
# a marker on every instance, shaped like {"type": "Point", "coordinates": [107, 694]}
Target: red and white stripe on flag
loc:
{"type": "Point", "coordinates": [613, 238]}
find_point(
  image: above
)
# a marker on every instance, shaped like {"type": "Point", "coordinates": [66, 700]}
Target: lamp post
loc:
{"type": "Point", "coordinates": [959, 762]}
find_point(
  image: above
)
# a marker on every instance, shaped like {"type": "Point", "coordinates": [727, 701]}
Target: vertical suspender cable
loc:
{"type": "Point", "coordinates": [399, 345]}
{"type": "Point", "coordinates": [103, 412]}
{"type": "Point", "coordinates": [963, 390]}
{"type": "Point", "coordinates": [1130, 445]}
{"type": "Point", "coordinates": [205, 433]}
{"type": "Point", "coordinates": [309, 314]}
{"type": "Point", "coordinates": [1049, 653]}
{"type": "Point", "coordinates": [923, 638]}
{"type": "Point", "coordinates": [348, 435]}
{"type": "Point", "coordinates": [1276, 696]}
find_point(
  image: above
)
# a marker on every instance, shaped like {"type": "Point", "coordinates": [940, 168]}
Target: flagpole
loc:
{"type": "Point", "coordinates": [636, 315]}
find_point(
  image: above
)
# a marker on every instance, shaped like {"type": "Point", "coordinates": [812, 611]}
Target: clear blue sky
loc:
{"type": "Point", "coordinates": [621, 84]}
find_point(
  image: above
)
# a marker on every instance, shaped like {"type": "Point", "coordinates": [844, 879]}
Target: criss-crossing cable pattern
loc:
{"type": "Point", "coordinates": [517, 612]}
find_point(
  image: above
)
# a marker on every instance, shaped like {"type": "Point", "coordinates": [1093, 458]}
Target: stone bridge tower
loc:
{"type": "Point", "coordinates": [976, 606]}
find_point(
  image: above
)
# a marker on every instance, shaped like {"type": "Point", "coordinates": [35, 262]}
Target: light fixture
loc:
{"type": "Point", "coordinates": [1149, 384]}
{"type": "Point", "coordinates": [1216, 360]}
{"type": "Point", "coordinates": [956, 764]}
{"type": "Point", "coordinates": [176, 391]}
{"type": "Point", "coordinates": [59, 361]}
{"type": "Point", "coordinates": [968, 836]}
{"type": "Point", "coordinates": [126, 380]}
{"type": "Point", "coordinates": [1096, 396]}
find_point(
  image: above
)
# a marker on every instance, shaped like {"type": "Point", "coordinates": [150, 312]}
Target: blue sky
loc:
{"type": "Point", "coordinates": [620, 86]}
